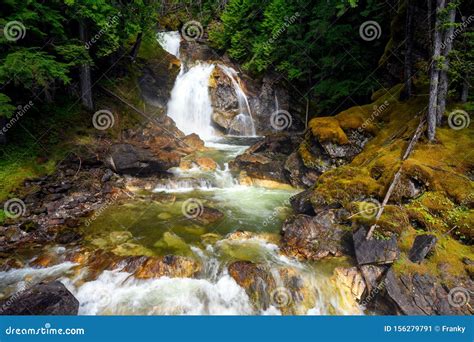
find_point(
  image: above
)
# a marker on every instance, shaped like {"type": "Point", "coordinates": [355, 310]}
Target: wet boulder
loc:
{"type": "Point", "coordinates": [137, 161]}
{"type": "Point", "coordinates": [301, 203]}
{"type": "Point", "coordinates": [314, 238]}
{"type": "Point", "coordinates": [41, 299]}
{"type": "Point", "coordinates": [352, 279]}
{"type": "Point", "coordinates": [374, 250]}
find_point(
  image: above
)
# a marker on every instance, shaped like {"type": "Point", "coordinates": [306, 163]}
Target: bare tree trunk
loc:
{"type": "Point", "coordinates": [434, 77]}
{"type": "Point", "coordinates": [3, 135]}
{"type": "Point", "coordinates": [408, 50]}
{"type": "Point", "coordinates": [443, 76]}
{"type": "Point", "coordinates": [136, 46]}
{"type": "Point", "coordinates": [465, 89]}
{"type": "Point", "coordinates": [86, 79]}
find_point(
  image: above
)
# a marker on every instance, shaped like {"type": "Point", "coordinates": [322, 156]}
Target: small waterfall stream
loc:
{"type": "Point", "coordinates": [190, 105]}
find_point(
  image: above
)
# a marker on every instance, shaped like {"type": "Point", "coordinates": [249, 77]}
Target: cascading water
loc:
{"type": "Point", "coordinates": [244, 118]}
{"type": "Point", "coordinates": [190, 104]}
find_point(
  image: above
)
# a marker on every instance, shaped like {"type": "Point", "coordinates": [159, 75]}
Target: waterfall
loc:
{"type": "Point", "coordinates": [244, 118]}
{"type": "Point", "coordinates": [190, 104]}
{"type": "Point", "coordinates": [170, 41]}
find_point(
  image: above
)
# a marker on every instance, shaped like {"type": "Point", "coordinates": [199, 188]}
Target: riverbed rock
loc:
{"type": "Point", "coordinates": [422, 245]}
{"type": "Point", "coordinates": [206, 163]}
{"type": "Point", "coordinates": [301, 203]}
{"type": "Point", "coordinates": [352, 279]}
{"type": "Point", "coordinates": [136, 161]}
{"type": "Point", "coordinates": [167, 266]}
{"type": "Point", "coordinates": [314, 238]}
{"type": "Point", "coordinates": [374, 250]}
{"type": "Point", "coordinates": [422, 294]}
{"type": "Point", "coordinates": [41, 299]}
{"type": "Point", "coordinates": [266, 158]}
{"type": "Point", "coordinates": [206, 215]}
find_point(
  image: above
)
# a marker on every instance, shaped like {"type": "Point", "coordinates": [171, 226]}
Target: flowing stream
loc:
{"type": "Point", "coordinates": [154, 223]}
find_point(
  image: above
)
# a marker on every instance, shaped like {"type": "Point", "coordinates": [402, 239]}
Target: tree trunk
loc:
{"type": "Point", "coordinates": [434, 74]}
{"type": "Point", "coordinates": [408, 50]}
{"type": "Point", "coordinates": [465, 89]}
{"type": "Point", "coordinates": [86, 80]}
{"type": "Point", "coordinates": [3, 135]}
{"type": "Point", "coordinates": [443, 75]}
{"type": "Point", "coordinates": [136, 46]}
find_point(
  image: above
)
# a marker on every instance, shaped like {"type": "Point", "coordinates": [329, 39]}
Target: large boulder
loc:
{"type": "Point", "coordinates": [41, 299]}
{"type": "Point", "coordinates": [266, 158]}
{"type": "Point", "coordinates": [422, 294]}
{"type": "Point", "coordinates": [422, 245]}
{"type": "Point", "coordinates": [374, 250]}
{"type": "Point", "coordinates": [137, 161]}
{"type": "Point", "coordinates": [315, 237]}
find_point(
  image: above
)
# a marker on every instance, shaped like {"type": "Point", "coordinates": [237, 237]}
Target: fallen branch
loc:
{"type": "Point", "coordinates": [396, 178]}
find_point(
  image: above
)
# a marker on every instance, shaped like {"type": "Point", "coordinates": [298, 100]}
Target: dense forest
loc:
{"type": "Point", "coordinates": [215, 140]}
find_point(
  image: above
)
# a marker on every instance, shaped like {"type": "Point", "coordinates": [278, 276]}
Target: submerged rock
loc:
{"type": "Point", "coordinates": [314, 238]}
{"type": "Point", "coordinates": [41, 299]}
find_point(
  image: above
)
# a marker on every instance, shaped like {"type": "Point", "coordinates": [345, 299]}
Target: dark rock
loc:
{"type": "Point", "coordinates": [301, 203]}
{"type": "Point", "coordinates": [136, 161]}
{"type": "Point", "coordinates": [107, 176]}
{"type": "Point", "coordinates": [374, 251]}
{"type": "Point", "coordinates": [372, 275]}
{"type": "Point", "coordinates": [41, 299]}
{"type": "Point", "coordinates": [421, 294]}
{"type": "Point", "coordinates": [67, 237]}
{"type": "Point", "coordinates": [206, 215]}
{"type": "Point", "coordinates": [314, 238]}
{"type": "Point", "coordinates": [422, 245]}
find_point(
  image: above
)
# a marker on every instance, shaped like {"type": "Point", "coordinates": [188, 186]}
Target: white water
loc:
{"type": "Point", "coordinates": [245, 113]}
{"type": "Point", "coordinates": [190, 104]}
{"type": "Point", "coordinates": [170, 41]}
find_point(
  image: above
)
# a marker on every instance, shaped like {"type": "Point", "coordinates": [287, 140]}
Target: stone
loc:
{"type": "Point", "coordinates": [41, 299]}
{"type": "Point", "coordinates": [207, 164]}
{"type": "Point", "coordinates": [422, 245]}
{"type": "Point", "coordinates": [207, 215]}
{"type": "Point", "coordinates": [136, 161]}
{"type": "Point", "coordinates": [314, 238]}
{"type": "Point", "coordinates": [301, 203]}
{"type": "Point", "coordinates": [351, 278]}
{"type": "Point", "coordinates": [168, 266]}
{"type": "Point", "coordinates": [374, 251]}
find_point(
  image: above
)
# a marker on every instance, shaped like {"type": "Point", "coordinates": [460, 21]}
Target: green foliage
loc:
{"type": "Point", "coordinates": [312, 43]}
{"type": "Point", "coordinates": [6, 108]}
